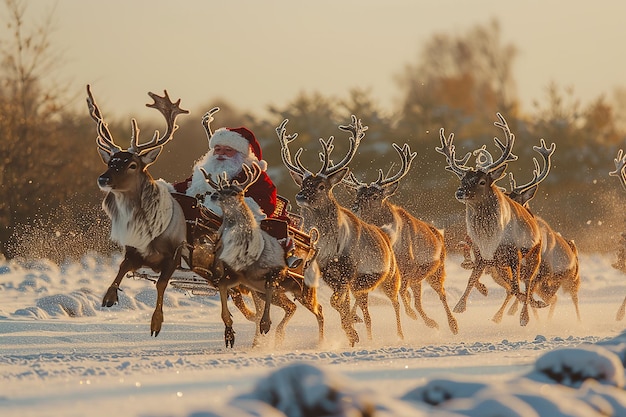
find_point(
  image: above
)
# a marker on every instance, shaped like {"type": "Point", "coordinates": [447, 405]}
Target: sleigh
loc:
{"type": "Point", "coordinates": [198, 269]}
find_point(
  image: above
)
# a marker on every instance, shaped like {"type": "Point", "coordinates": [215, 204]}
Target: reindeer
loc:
{"type": "Point", "coordinates": [418, 247]}
{"type": "Point", "coordinates": [559, 266]}
{"type": "Point", "coordinates": [145, 218]}
{"type": "Point", "coordinates": [503, 233]}
{"type": "Point", "coordinates": [253, 258]}
{"type": "Point", "coordinates": [620, 172]}
{"type": "Point", "coordinates": [354, 256]}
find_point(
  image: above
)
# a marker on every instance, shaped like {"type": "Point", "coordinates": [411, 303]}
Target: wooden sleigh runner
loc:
{"type": "Point", "coordinates": [198, 268]}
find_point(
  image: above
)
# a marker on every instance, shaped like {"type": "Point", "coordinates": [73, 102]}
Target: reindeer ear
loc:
{"type": "Point", "coordinates": [106, 157]}
{"type": "Point", "coordinates": [338, 176]}
{"type": "Point", "coordinates": [151, 156]}
{"type": "Point", "coordinates": [297, 178]}
{"type": "Point", "coordinates": [498, 173]}
{"type": "Point", "coordinates": [391, 189]}
{"type": "Point", "coordinates": [528, 195]}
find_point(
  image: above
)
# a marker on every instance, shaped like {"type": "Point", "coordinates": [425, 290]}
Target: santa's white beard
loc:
{"type": "Point", "coordinates": [216, 168]}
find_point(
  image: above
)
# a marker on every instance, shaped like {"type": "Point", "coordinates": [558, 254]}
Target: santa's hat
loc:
{"type": "Point", "coordinates": [238, 138]}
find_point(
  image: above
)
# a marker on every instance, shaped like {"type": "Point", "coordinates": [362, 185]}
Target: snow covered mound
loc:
{"type": "Point", "coordinates": [594, 388]}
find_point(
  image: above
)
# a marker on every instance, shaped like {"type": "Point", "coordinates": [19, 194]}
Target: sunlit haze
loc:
{"type": "Point", "coordinates": [258, 53]}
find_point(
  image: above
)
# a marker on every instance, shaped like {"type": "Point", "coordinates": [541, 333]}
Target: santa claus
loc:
{"type": "Point", "coordinates": [229, 149]}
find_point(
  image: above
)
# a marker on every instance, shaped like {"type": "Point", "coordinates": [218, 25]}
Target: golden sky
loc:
{"type": "Point", "coordinates": [255, 53]}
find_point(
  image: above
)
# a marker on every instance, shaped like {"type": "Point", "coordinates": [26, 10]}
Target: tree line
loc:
{"type": "Point", "coordinates": [50, 203]}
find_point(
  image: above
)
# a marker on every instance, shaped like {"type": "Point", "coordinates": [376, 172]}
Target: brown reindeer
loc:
{"type": "Point", "coordinates": [504, 234]}
{"type": "Point", "coordinates": [354, 256]}
{"type": "Point", "coordinates": [620, 172]}
{"type": "Point", "coordinates": [145, 218]}
{"type": "Point", "coordinates": [418, 247]}
{"type": "Point", "coordinates": [559, 266]}
{"type": "Point", "coordinates": [256, 260]}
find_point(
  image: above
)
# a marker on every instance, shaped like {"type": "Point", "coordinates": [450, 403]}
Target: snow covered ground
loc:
{"type": "Point", "coordinates": [61, 354]}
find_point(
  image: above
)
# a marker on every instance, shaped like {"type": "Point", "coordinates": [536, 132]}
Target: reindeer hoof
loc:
{"type": "Point", "coordinates": [468, 264]}
{"type": "Point", "coordinates": [110, 298]}
{"type": "Point", "coordinates": [481, 288]}
{"type": "Point", "coordinates": [229, 337]}
{"type": "Point", "coordinates": [431, 323]}
{"type": "Point", "coordinates": [524, 318]}
{"type": "Point", "coordinates": [454, 327]}
{"type": "Point", "coordinates": [353, 337]}
{"type": "Point", "coordinates": [459, 308]}
{"type": "Point", "coordinates": [155, 326]}
{"type": "Point", "coordinates": [265, 326]}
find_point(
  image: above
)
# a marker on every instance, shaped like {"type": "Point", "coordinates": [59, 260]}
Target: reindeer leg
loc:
{"type": "Point", "coordinates": [533, 260]}
{"type": "Point", "coordinates": [227, 318]}
{"type": "Point", "coordinates": [391, 288]}
{"type": "Point", "coordinates": [161, 285]}
{"type": "Point", "coordinates": [266, 322]}
{"type": "Point", "coordinates": [479, 259]}
{"type": "Point", "coordinates": [406, 297]}
{"type": "Point", "coordinates": [497, 318]}
{"type": "Point", "coordinates": [308, 299]}
{"type": "Point", "coordinates": [461, 305]}
{"type": "Point", "coordinates": [110, 298]}
{"type": "Point", "coordinates": [280, 299]}
{"type": "Point", "coordinates": [362, 302]}
{"type": "Point", "coordinates": [417, 299]}
{"type": "Point", "coordinates": [436, 281]}
{"type": "Point", "coordinates": [258, 302]}
{"type": "Point", "coordinates": [340, 301]}
{"type": "Point", "coordinates": [237, 297]}
{"type": "Point", "coordinates": [575, 301]}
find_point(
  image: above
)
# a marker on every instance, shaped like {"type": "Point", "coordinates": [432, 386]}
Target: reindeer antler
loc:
{"type": "Point", "coordinates": [252, 175]}
{"type": "Point", "coordinates": [170, 110]}
{"type": "Point", "coordinates": [620, 163]}
{"type": "Point", "coordinates": [207, 119]}
{"type": "Point", "coordinates": [358, 132]}
{"type": "Point", "coordinates": [285, 154]}
{"type": "Point", "coordinates": [538, 173]}
{"type": "Point", "coordinates": [209, 180]}
{"type": "Point", "coordinates": [406, 156]}
{"type": "Point", "coordinates": [506, 148]}
{"type": "Point", "coordinates": [104, 140]}
{"type": "Point", "coordinates": [457, 166]}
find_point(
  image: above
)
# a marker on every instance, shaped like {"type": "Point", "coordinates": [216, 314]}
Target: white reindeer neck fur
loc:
{"type": "Point", "coordinates": [335, 231]}
{"type": "Point", "coordinates": [138, 223]}
{"type": "Point", "coordinates": [244, 243]}
{"type": "Point", "coordinates": [486, 223]}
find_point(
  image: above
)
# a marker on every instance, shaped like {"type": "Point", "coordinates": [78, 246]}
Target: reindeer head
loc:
{"type": "Point", "coordinates": [316, 189]}
{"type": "Point", "coordinates": [478, 183]}
{"type": "Point", "coordinates": [127, 168]}
{"type": "Point", "coordinates": [227, 191]}
{"type": "Point", "coordinates": [370, 197]}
